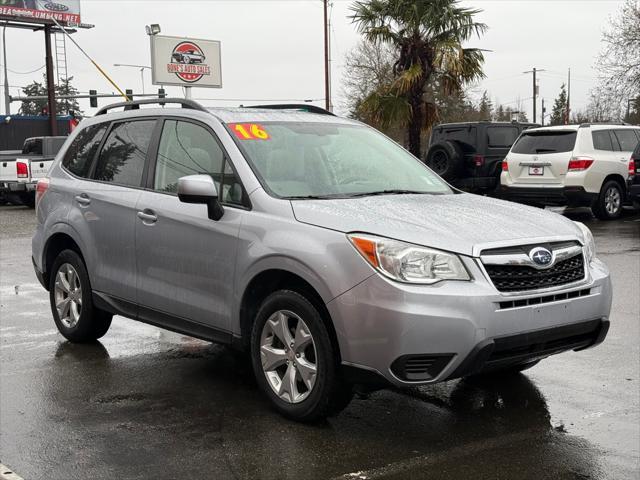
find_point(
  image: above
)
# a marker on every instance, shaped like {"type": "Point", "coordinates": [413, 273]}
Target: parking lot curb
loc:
{"type": "Point", "coordinates": [7, 474]}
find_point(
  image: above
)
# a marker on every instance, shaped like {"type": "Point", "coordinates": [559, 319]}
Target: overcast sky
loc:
{"type": "Point", "coordinates": [273, 50]}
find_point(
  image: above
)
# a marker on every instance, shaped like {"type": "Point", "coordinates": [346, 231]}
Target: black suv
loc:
{"type": "Point", "coordinates": [469, 155]}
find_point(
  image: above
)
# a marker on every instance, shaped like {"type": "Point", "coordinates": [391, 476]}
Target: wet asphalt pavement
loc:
{"type": "Point", "coordinates": [149, 404]}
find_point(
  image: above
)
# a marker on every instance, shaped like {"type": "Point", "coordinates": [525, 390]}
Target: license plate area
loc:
{"type": "Point", "coordinates": [536, 171]}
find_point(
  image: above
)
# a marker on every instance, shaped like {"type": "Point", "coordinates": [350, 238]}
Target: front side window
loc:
{"type": "Point", "coordinates": [627, 140]}
{"type": "Point", "coordinates": [124, 152]}
{"type": "Point", "coordinates": [543, 142]}
{"type": "Point", "coordinates": [310, 160]}
{"type": "Point", "coordinates": [602, 140]}
{"type": "Point", "coordinates": [80, 154]}
{"type": "Point", "coordinates": [190, 149]}
{"type": "Point", "coordinates": [501, 137]}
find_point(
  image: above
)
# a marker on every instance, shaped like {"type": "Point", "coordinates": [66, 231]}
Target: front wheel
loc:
{"type": "Point", "coordinates": [294, 359]}
{"type": "Point", "coordinates": [77, 319]}
{"type": "Point", "coordinates": [608, 206]}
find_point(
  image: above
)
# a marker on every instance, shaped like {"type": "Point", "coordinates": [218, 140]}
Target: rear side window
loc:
{"type": "Point", "coordinates": [540, 143]}
{"type": "Point", "coordinates": [602, 140]}
{"type": "Point", "coordinates": [124, 152]}
{"type": "Point", "coordinates": [78, 157]}
{"type": "Point", "coordinates": [501, 137]}
{"type": "Point", "coordinates": [627, 139]}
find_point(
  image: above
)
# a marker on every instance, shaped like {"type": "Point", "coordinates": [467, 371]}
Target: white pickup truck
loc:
{"type": "Point", "coordinates": [21, 170]}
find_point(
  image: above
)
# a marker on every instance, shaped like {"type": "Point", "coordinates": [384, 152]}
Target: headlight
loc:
{"type": "Point", "coordinates": [409, 263]}
{"type": "Point", "coordinates": [589, 242]}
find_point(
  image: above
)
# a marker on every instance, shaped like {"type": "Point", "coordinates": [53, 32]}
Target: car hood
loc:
{"type": "Point", "coordinates": [454, 223]}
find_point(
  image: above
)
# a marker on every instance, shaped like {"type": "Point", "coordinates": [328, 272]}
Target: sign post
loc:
{"type": "Point", "coordinates": [185, 62]}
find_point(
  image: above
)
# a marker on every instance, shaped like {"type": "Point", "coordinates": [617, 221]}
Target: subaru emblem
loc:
{"type": "Point", "coordinates": [541, 256]}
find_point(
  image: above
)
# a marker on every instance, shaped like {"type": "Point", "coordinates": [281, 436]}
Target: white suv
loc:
{"type": "Point", "coordinates": [574, 165]}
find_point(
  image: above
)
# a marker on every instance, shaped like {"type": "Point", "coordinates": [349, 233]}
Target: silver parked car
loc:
{"type": "Point", "coordinates": [318, 245]}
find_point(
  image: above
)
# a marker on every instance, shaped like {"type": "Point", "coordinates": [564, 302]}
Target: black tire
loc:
{"type": "Point", "coordinates": [330, 393]}
{"type": "Point", "coordinates": [93, 323]}
{"type": "Point", "coordinates": [602, 208]}
{"type": "Point", "coordinates": [446, 159]}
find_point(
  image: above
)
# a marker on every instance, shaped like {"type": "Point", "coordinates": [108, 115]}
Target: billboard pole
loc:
{"type": "Point", "coordinates": [51, 94]}
{"type": "Point", "coordinates": [7, 101]}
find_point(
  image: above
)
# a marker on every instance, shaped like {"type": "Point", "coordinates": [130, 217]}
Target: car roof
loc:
{"type": "Point", "coordinates": [240, 114]}
{"type": "Point", "coordinates": [483, 122]}
{"type": "Point", "coordinates": [189, 108]}
{"type": "Point", "coordinates": [575, 128]}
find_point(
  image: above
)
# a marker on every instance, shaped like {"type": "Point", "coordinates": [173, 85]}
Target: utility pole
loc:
{"type": "Point", "coordinates": [535, 90]}
{"type": "Point", "coordinates": [542, 116]}
{"type": "Point", "coordinates": [7, 101]}
{"type": "Point", "coordinates": [51, 94]}
{"type": "Point", "coordinates": [327, 79]}
{"type": "Point", "coordinates": [568, 118]}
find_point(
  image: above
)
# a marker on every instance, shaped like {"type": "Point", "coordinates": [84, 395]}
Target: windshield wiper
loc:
{"type": "Point", "coordinates": [312, 197]}
{"type": "Point", "coordinates": [387, 192]}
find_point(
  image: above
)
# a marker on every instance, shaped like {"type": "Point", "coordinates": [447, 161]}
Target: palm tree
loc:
{"type": "Point", "coordinates": [427, 36]}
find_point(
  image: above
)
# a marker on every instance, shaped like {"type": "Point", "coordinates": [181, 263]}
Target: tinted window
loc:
{"type": "Point", "coordinates": [122, 157]}
{"type": "Point", "coordinates": [602, 140]}
{"type": "Point", "coordinates": [186, 149]}
{"type": "Point", "coordinates": [627, 139]}
{"type": "Point", "coordinates": [531, 143]}
{"type": "Point", "coordinates": [83, 148]}
{"type": "Point", "coordinates": [501, 136]}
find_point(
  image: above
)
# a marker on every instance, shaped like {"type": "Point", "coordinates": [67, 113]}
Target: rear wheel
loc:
{"type": "Point", "coordinates": [445, 159]}
{"type": "Point", "coordinates": [608, 206]}
{"type": "Point", "coordinates": [294, 359]}
{"type": "Point", "coordinates": [77, 319]}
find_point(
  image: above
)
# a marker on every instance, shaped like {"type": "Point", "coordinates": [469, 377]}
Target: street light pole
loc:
{"type": "Point", "coordinates": [327, 79]}
{"type": "Point", "coordinates": [141, 67]}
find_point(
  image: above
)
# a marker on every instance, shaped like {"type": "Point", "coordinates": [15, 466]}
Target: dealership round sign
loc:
{"type": "Point", "coordinates": [185, 61]}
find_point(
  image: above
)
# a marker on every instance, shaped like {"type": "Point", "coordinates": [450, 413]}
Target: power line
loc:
{"type": "Point", "coordinates": [24, 73]}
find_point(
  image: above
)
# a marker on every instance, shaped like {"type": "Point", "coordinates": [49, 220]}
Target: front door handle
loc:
{"type": "Point", "coordinates": [83, 199]}
{"type": "Point", "coordinates": [147, 216]}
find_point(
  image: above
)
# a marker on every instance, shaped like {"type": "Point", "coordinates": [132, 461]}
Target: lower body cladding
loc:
{"type": "Point", "coordinates": [419, 334]}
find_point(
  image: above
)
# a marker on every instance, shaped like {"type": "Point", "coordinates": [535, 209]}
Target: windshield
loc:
{"type": "Point", "coordinates": [319, 160]}
{"type": "Point", "coordinates": [542, 142]}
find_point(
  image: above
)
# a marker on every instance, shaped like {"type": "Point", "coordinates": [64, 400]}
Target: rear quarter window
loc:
{"type": "Point", "coordinates": [540, 143]}
{"type": "Point", "coordinates": [501, 137]}
{"type": "Point", "coordinates": [82, 150]}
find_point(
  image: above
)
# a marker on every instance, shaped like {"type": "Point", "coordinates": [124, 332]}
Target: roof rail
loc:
{"type": "Point", "coordinates": [294, 106]}
{"type": "Point", "coordinates": [135, 105]}
{"type": "Point", "coordinates": [585, 125]}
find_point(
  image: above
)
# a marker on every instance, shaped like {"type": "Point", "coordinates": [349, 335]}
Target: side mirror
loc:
{"type": "Point", "coordinates": [201, 189]}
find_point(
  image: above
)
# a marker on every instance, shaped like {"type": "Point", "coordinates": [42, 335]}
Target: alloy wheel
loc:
{"type": "Point", "coordinates": [612, 200]}
{"type": "Point", "coordinates": [288, 356]}
{"type": "Point", "coordinates": [68, 295]}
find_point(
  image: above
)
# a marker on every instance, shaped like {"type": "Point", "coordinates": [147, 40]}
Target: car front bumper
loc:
{"type": "Point", "coordinates": [390, 330]}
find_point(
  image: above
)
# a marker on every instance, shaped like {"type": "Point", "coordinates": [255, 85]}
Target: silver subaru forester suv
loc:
{"type": "Point", "coordinates": [316, 244]}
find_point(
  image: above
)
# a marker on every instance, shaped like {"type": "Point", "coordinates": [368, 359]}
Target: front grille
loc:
{"type": "Point", "coordinates": [517, 278]}
{"type": "Point", "coordinates": [525, 302]}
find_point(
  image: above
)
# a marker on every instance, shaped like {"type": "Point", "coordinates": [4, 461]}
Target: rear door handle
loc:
{"type": "Point", "coordinates": [83, 199]}
{"type": "Point", "coordinates": [147, 216]}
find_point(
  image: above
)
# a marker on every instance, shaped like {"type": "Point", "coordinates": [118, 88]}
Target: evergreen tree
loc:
{"type": "Point", "coordinates": [559, 112]}
{"type": "Point", "coordinates": [39, 106]}
{"type": "Point", "coordinates": [485, 107]}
